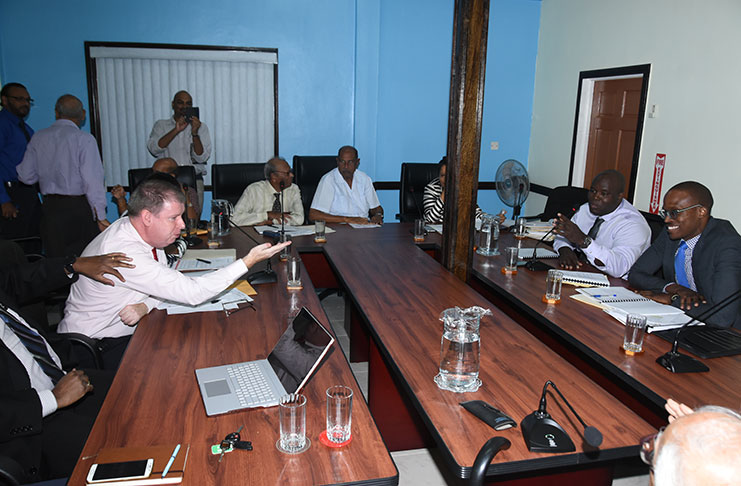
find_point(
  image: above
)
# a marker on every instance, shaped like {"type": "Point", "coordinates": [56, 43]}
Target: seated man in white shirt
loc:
{"type": "Point", "coordinates": [154, 221]}
{"type": "Point", "coordinates": [345, 194]}
{"type": "Point", "coordinates": [608, 231]}
{"type": "Point", "coordinates": [261, 201]}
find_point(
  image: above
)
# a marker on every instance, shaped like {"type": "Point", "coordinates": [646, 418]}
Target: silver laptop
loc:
{"type": "Point", "coordinates": [261, 383]}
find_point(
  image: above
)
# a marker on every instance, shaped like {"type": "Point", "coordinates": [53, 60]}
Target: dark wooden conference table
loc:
{"type": "Point", "coordinates": [592, 341]}
{"type": "Point", "coordinates": [155, 398]}
{"type": "Point", "coordinates": [395, 292]}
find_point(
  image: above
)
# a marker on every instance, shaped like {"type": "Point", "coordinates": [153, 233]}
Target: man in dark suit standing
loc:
{"type": "Point", "coordinates": [696, 262]}
{"type": "Point", "coordinates": [47, 412]}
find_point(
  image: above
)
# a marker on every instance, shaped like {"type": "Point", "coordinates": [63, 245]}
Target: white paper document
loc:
{"type": "Point", "coordinates": [206, 259]}
{"type": "Point", "coordinates": [364, 226]}
{"type": "Point", "coordinates": [527, 253]}
{"type": "Point", "coordinates": [228, 299]}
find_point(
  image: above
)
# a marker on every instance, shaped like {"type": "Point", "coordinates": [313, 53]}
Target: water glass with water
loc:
{"type": "Point", "coordinates": [553, 282]}
{"type": "Point", "coordinates": [419, 230]}
{"type": "Point", "coordinates": [293, 424]}
{"type": "Point", "coordinates": [339, 413]}
{"type": "Point", "coordinates": [320, 229]}
{"type": "Point", "coordinates": [510, 258]}
{"type": "Point", "coordinates": [635, 330]}
{"type": "Point", "coordinates": [520, 228]}
{"type": "Point", "coordinates": [294, 273]}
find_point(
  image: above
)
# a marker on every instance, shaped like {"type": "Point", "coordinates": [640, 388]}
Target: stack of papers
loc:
{"type": "Point", "coordinates": [227, 300]}
{"type": "Point", "coordinates": [585, 279]}
{"type": "Point", "coordinates": [205, 259]}
{"type": "Point", "coordinates": [618, 302]}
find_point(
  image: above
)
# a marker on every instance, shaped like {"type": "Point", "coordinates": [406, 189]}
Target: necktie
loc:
{"type": "Point", "coordinates": [595, 228]}
{"type": "Point", "coordinates": [22, 126]}
{"type": "Point", "coordinates": [276, 203]}
{"type": "Point", "coordinates": [680, 272]}
{"type": "Point", "coordinates": [154, 254]}
{"type": "Point", "coordinates": [35, 345]}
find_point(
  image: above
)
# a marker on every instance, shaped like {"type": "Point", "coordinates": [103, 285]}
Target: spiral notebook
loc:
{"type": "Point", "coordinates": [627, 302]}
{"type": "Point", "coordinates": [585, 279]}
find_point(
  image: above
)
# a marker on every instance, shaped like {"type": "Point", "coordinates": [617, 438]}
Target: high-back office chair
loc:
{"type": "Point", "coordinates": [230, 180]}
{"type": "Point", "coordinates": [564, 200]}
{"type": "Point", "coordinates": [307, 170]}
{"type": "Point", "coordinates": [186, 175]}
{"type": "Point", "coordinates": [414, 178]}
{"type": "Point", "coordinates": [655, 223]}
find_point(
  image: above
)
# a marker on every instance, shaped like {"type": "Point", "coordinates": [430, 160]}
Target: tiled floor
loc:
{"type": "Point", "coordinates": [423, 466]}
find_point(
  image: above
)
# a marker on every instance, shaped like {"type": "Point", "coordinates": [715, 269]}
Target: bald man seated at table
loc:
{"type": "Point", "coordinates": [607, 231]}
{"type": "Point", "coordinates": [153, 222]}
{"type": "Point", "coordinates": [167, 166]}
{"type": "Point", "coordinates": [700, 448]}
{"type": "Point", "coordinates": [345, 194]}
{"type": "Point", "coordinates": [695, 262]}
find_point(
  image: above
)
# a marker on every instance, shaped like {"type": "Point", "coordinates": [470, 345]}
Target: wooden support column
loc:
{"type": "Point", "coordinates": [468, 68]}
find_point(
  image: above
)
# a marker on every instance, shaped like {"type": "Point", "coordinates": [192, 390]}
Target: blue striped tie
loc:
{"type": "Point", "coordinates": [35, 345]}
{"type": "Point", "coordinates": [680, 272]}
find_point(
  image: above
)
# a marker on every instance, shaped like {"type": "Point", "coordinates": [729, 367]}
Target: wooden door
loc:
{"type": "Point", "coordinates": [612, 128]}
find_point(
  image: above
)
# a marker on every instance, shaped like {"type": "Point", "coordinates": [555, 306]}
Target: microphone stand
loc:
{"type": "Point", "coordinates": [543, 434]}
{"type": "Point", "coordinates": [533, 264]}
{"type": "Point", "coordinates": [264, 276]}
{"type": "Point", "coordinates": [676, 362]}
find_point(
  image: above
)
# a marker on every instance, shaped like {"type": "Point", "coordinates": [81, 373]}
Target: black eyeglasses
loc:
{"type": "Point", "coordinates": [346, 162]}
{"type": "Point", "coordinates": [21, 98]}
{"type": "Point", "coordinates": [673, 213]}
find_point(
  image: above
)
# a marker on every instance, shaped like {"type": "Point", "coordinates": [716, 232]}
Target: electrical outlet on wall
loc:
{"type": "Point", "coordinates": [495, 145]}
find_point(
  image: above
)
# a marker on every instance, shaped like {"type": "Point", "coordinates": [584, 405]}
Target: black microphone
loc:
{"type": "Point", "coordinates": [543, 434]}
{"type": "Point", "coordinates": [264, 276]}
{"type": "Point", "coordinates": [532, 263]}
{"type": "Point", "coordinates": [282, 212]}
{"type": "Point", "coordinates": [676, 362]}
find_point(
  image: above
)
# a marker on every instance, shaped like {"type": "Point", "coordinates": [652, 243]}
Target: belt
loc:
{"type": "Point", "coordinates": [12, 184]}
{"type": "Point", "coordinates": [62, 196]}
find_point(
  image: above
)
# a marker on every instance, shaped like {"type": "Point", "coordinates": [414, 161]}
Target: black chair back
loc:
{"type": "Point", "coordinates": [414, 178]}
{"type": "Point", "coordinates": [230, 180]}
{"type": "Point", "coordinates": [186, 175]}
{"type": "Point", "coordinates": [564, 200]}
{"type": "Point", "coordinates": [308, 170]}
{"type": "Point", "coordinates": [655, 223]}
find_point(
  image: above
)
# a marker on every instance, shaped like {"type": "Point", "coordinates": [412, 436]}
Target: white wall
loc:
{"type": "Point", "coordinates": [693, 47]}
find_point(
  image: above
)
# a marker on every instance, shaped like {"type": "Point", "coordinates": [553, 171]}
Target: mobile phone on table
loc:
{"type": "Point", "coordinates": [191, 112]}
{"type": "Point", "coordinates": [115, 471]}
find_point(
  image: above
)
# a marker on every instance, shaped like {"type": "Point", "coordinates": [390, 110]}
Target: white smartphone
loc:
{"type": "Point", "coordinates": [118, 471]}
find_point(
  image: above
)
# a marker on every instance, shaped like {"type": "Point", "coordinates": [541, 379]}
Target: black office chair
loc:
{"type": "Point", "coordinates": [307, 170]}
{"type": "Point", "coordinates": [484, 457]}
{"type": "Point", "coordinates": [11, 473]}
{"type": "Point", "coordinates": [655, 222]}
{"type": "Point", "coordinates": [564, 200]}
{"type": "Point", "coordinates": [186, 175]}
{"type": "Point", "coordinates": [414, 178]}
{"type": "Point", "coordinates": [230, 180]}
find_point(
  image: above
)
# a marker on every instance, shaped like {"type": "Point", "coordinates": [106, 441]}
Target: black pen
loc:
{"type": "Point", "coordinates": [203, 261]}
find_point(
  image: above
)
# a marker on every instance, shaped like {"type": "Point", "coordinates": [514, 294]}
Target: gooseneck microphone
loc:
{"type": "Point", "coordinates": [282, 212]}
{"type": "Point", "coordinates": [533, 264]}
{"type": "Point", "coordinates": [264, 276]}
{"type": "Point", "coordinates": [543, 434]}
{"type": "Point", "coordinates": [419, 209]}
{"type": "Point", "coordinates": [676, 362]}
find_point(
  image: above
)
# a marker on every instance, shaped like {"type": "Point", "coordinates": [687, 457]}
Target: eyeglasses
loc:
{"type": "Point", "coordinates": [346, 162]}
{"type": "Point", "coordinates": [286, 172]}
{"type": "Point", "coordinates": [21, 98]}
{"type": "Point", "coordinates": [648, 447]}
{"type": "Point", "coordinates": [673, 213]}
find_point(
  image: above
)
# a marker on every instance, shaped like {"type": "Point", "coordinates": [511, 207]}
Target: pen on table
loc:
{"type": "Point", "coordinates": [172, 459]}
{"type": "Point", "coordinates": [203, 261]}
{"type": "Point", "coordinates": [604, 295]}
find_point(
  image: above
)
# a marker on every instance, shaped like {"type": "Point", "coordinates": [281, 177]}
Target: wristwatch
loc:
{"type": "Point", "coordinates": [587, 241]}
{"type": "Point", "coordinates": [68, 266]}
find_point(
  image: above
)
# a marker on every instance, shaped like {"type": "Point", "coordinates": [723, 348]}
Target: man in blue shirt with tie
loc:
{"type": "Point", "coordinates": [696, 262]}
{"type": "Point", "coordinates": [20, 203]}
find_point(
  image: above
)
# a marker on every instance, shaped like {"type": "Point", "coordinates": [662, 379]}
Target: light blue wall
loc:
{"type": "Point", "coordinates": [375, 73]}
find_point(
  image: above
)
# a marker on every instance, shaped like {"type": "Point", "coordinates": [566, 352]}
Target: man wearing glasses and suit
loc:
{"type": "Point", "coordinates": [696, 262]}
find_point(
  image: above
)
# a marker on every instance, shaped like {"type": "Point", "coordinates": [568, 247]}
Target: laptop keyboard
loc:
{"type": "Point", "coordinates": [253, 388]}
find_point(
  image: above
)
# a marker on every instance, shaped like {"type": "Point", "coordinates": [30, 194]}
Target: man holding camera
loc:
{"type": "Point", "coordinates": [183, 137]}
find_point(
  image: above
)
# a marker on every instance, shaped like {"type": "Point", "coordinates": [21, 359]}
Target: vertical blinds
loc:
{"type": "Point", "coordinates": [234, 90]}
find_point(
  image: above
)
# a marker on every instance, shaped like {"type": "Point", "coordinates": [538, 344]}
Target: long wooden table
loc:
{"type": "Point", "coordinates": [592, 340]}
{"type": "Point", "coordinates": [398, 292]}
{"type": "Point", "coordinates": [155, 398]}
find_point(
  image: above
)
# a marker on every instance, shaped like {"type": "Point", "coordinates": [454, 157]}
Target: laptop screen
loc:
{"type": "Point", "coordinates": [299, 350]}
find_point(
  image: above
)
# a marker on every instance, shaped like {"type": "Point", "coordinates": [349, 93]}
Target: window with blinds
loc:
{"type": "Point", "coordinates": [131, 86]}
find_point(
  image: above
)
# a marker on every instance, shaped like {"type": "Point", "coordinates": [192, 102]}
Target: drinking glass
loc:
{"type": "Point", "coordinates": [635, 329]}
{"type": "Point", "coordinates": [293, 438]}
{"type": "Point", "coordinates": [339, 413]}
